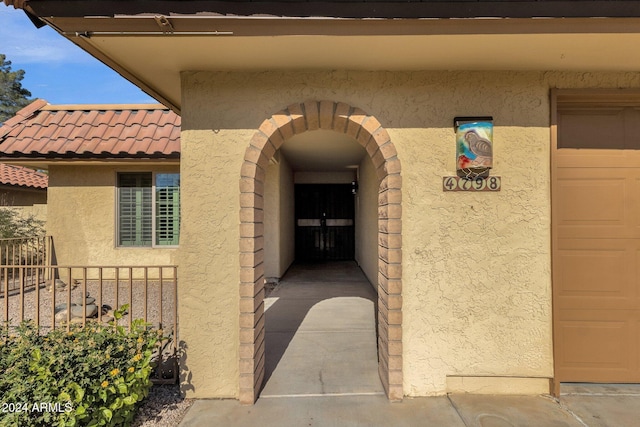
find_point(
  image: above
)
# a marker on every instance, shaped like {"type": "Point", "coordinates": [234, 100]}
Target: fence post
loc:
{"type": "Point", "coordinates": [69, 300]}
{"type": "Point", "coordinates": [5, 270]}
{"type": "Point", "coordinates": [146, 290]}
{"type": "Point", "coordinates": [21, 280]}
{"type": "Point", "coordinates": [37, 291]}
{"type": "Point", "coordinates": [52, 281]}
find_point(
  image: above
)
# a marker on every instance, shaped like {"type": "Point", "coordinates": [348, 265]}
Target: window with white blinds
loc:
{"type": "Point", "coordinates": [148, 209]}
{"type": "Point", "coordinates": [167, 212]}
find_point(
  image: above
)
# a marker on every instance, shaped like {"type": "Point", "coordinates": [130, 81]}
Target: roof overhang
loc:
{"type": "Point", "coordinates": [152, 42]}
{"type": "Point", "coordinates": [46, 163]}
{"type": "Point", "coordinates": [23, 188]}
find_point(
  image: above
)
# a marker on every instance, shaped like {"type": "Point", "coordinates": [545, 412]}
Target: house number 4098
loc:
{"type": "Point", "coordinates": [456, 183]}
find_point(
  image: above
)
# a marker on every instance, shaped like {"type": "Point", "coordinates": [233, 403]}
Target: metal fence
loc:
{"type": "Point", "coordinates": [67, 295]}
{"type": "Point", "coordinates": [25, 251]}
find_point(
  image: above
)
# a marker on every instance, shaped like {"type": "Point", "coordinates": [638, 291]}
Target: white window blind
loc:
{"type": "Point", "coordinates": [167, 209]}
{"type": "Point", "coordinates": [148, 214]}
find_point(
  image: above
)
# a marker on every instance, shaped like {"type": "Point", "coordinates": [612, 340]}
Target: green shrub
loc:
{"type": "Point", "coordinates": [91, 376]}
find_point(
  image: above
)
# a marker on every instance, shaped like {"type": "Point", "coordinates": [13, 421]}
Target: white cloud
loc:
{"type": "Point", "coordinates": [23, 43]}
{"type": "Point", "coordinates": [56, 69]}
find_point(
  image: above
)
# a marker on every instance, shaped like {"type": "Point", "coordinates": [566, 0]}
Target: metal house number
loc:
{"type": "Point", "coordinates": [456, 183]}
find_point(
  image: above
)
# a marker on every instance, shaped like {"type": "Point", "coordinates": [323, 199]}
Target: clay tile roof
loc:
{"type": "Point", "coordinates": [22, 177]}
{"type": "Point", "coordinates": [43, 131]}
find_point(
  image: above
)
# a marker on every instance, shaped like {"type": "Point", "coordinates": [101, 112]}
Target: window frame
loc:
{"type": "Point", "coordinates": [153, 245]}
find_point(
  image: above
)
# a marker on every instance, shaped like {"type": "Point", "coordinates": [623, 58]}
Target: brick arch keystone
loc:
{"type": "Point", "coordinates": [272, 133]}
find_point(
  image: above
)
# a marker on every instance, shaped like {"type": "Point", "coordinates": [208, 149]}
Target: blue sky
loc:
{"type": "Point", "coordinates": [56, 69]}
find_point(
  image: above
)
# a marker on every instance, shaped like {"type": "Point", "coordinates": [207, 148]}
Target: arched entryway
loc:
{"type": "Point", "coordinates": [272, 133]}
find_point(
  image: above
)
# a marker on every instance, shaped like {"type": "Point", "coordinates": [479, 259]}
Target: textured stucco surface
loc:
{"type": "Point", "coordinates": [279, 219]}
{"type": "Point", "coordinates": [287, 218]}
{"type": "Point", "coordinates": [208, 291]}
{"type": "Point", "coordinates": [476, 270]}
{"type": "Point", "coordinates": [366, 251]}
{"type": "Point", "coordinates": [272, 221]}
{"type": "Point", "coordinates": [36, 211]}
{"type": "Point", "coordinates": [497, 385]}
{"type": "Point", "coordinates": [82, 217]}
{"type": "Point", "coordinates": [22, 198]}
{"type": "Point", "coordinates": [27, 203]}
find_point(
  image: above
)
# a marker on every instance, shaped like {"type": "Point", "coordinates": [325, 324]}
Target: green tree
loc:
{"type": "Point", "coordinates": [13, 96]}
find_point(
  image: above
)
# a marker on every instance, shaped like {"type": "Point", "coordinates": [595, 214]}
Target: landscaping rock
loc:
{"type": "Point", "coordinates": [77, 310]}
{"type": "Point", "coordinates": [61, 316]}
{"type": "Point", "coordinates": [61, 307]}
{"type": "Point", "coordinates": [59, 284]}
{"type": "Point", "coordinates": [88, 300]}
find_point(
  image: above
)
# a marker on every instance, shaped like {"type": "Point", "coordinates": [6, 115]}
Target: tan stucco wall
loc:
{"type": "Point", "coordinates": [82, 217]}
{"type": "Point", "coordinates": [366, 251]}
{"type": "Point", "coordinates": [17, 197]}
{"type": "Point", "coordinates": [38, 212]}
{"type": "Point", "coordinates": [272, 222]}
{"type": "Point", "coordinates": [279, 221]}
{"type": "Point", "coordinates": [27, 203]}
{"type": "Point", "coordinates": [476, 266]}
{"type": "Point", "coordinates": [287, 218]}
{"type": "Point", "coordinates": [208, 295]}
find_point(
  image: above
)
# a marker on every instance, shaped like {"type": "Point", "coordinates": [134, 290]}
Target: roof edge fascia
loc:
{"type": "Point", "coordinates": [337, 9]}
{"type": "Point", "coordinates": [44, 163]}
{"type": "Point", "coordinates": [104, 107]}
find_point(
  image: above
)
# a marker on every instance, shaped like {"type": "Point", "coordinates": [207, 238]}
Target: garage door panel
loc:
{"type": "Point", "coordinates": [599, 273]}
{"type": "Point", "coordinates": [597, 207]}
{"type": "Point", "coordinates": [597, 278]}
{"type": "Point", "coordinates": [597, 346]}
{"type": "Point", "coordinates": [595, 159]}
{"type": "Point", "coordinates": [594, 202]}
{"type": "Point", "coordinates": [633, 204]}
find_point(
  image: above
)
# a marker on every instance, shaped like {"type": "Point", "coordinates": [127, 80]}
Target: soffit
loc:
{"type": "Point", "coordinates": [137, 48]}
{"type": "Point", "coordinates": [322, 150]}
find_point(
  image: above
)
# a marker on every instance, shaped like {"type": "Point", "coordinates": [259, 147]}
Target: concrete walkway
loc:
{"type": "Point", "coordinates": [591, 408]}
{"type": "Point", "coordinates": [321, 333]}
{"type": "Point", "coordinates": [321, 370]}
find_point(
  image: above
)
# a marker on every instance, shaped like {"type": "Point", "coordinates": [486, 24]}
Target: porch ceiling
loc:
{"type": "Point", "coordinates": [322, 150]}
{"type": "Point", "coordinates": [152, 54]}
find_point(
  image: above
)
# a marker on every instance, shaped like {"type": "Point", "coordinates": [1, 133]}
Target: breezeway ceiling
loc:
{"type": "Point", "coordinates": [322, 150]}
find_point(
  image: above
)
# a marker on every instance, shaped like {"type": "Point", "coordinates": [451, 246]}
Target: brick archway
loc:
{"type": "Point", "coordinates": [272, 133]}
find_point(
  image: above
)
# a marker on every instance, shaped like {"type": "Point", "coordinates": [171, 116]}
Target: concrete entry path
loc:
{"type": "Point", "coordinates": [603, 405]}
{"type": "Point", "coordinates": [321, 333]}
{"type": "Point", "coordinates": [455, 410]}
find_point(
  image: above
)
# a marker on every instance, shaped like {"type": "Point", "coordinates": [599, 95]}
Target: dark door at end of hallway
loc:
{"type": "Point", "coordinates": [324, 222]}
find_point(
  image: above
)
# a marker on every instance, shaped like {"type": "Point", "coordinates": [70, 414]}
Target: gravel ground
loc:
{"type": "Point", "coordinates": [135, 297]}
{"type": "Point", "coordinates": [162, 408]}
